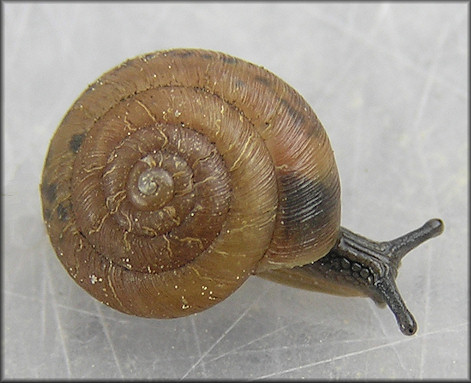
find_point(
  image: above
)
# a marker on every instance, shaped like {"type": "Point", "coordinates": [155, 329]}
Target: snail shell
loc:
{"type": "Point", "coordinates": [178, 174]}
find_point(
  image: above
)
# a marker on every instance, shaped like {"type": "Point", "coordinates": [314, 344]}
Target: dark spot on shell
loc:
{"type": "Point", "coordinates": [303, 206]}
{"type": "Point", "coordinates": [239, 83]}
{"type": "Point", "coordinates": [47, 214]}
{"type": "Point", "coordinates": [62, 212]}
{"type": "Point", "coordinates": [149, 56]}
{"type": "Point", "coordinates": [297, 116]}
{"type": "Point", "coordinates": [263, 80]}
{"type": "Point", "coordinates": [49, 191]}
{"type": "Point", "coordinates": [207, 56]}
{"type": "Point", "coordinates": [121, 66]}
{"type": "Point", "coordinates": [76, 142]}
{"type": "Point", "coordinates": [48, 158]}
{"type": "Point", "coordinates": [229, 60]}
{"type": "Point", "coordinates": [182, 54]}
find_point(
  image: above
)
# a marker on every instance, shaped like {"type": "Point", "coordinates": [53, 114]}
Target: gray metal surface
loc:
{"type": "Point", "coordinates": [388, 81]}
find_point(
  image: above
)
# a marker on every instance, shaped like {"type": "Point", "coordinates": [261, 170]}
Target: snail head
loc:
{"type": "Point", "coordinates": [382, 260]}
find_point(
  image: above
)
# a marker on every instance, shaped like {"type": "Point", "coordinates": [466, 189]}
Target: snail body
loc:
{"type": "Point", "coordinates": [178, 174]}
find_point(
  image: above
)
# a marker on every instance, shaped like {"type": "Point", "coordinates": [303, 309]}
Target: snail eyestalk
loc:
{"type": "Point", "coordinates": [382, 260]}
{"type": "Point", "coordinates": [403, 244]}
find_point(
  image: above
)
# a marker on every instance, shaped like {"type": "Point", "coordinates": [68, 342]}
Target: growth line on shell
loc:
{"type": "Point", "coordinates": [164, 137]}
{"type": "Point", "coordinates": [109, 171]}
{"type": "Point", "coordinates": [217, 123]}
{"type": "Point", "coordinates": [128, 124]}
{"type": "Point", "coordinates": [199, 275]}
{"type": "Point", "coordinates": [191, 239]}
{"type": "Point", "coordinates": [245, 225]}
{"type": "Point", "coordinates": [149, 231]}
{"type": "Point", "coordinates": [140, 150]}
{"type": "Point", "coordinates": [93, 169]}
{"type": "Point", "coordinates": [171, 212]}
{"type": "Point", "coordinates": [91, 231]}
{"type": "Point", "coordinates": [66, 227]}
{"type": "Point", "coordinates": [179, 174]}
{"type": "Point", "coordinates": [210, 178]}
{"type": "Point", "coordinates": [187, 190]}
{"type": "Point", "coordinates": [236, 164]}
{"type": "Point", "coordinates": [108, 277]}
{"type": "Point", "coordinates": [168, 244]}
{"type": "Point", "coordinates": [127, 245]}
{"type": "Point", "coordinates": [114, 200]}
{"type": "Point", "coordinates": [150, 160]}
{"type": "Point", "coordinates": [211, 154]}
{"type": "Point", "coordinates": [76, 232]}
{"type": "Point", "coordinates": [116, 148]}
{"type": "Point", "coordinates": [128, 219]}
{"type": "Point", "coordinates": [147, 110]}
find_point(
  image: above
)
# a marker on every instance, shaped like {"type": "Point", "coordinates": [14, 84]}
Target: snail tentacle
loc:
{"type": "Point", "coordinates": [400, 246]}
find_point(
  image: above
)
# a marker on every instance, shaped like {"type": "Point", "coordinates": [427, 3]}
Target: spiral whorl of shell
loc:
{"type": "Point", "coordinates": [178, 174]}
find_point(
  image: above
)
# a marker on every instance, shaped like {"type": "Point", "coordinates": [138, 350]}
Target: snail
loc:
{"type": "Point", "coordinates": [178, 174]}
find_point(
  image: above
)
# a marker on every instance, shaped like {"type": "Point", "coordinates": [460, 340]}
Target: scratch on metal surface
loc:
{"type": "Point", "coordinates": [385, 332]}
{"type": "Point", "coordinates": [81, 311]}
{"type": "Point", "coordinates": [228, 330]}
{"type": "Point", "coordinates": [108, 338]}
{"type": "Point", "coordinates": [60, 330]}
{"type": "Point", "coordinates": [66, 44]}
{"type": "Point", "coordinates": [343, 356]}
{"type": "Point", "coordinates": [339, 78]}
{"type": "Point", "coordinates": [43, 298]}
{"type": "Point", "coordinates": [401, 58]}
{"type": "Point", "coordinates": [418, 117]}
{"type": "Point", "coordinates": [93, 314]}
{"type": "Point", "coordinates": [456, 328]}
{"type": "Point", "coordinates": [19, 33]}
{"type": "Point", "coordinates": [236, 349]}
{"type": "Point", "coordinates": [291, 347]}
{"type": "Point", "coordinates": [355, 353]}
{"type": "Point", "coordinates": [198, 344]}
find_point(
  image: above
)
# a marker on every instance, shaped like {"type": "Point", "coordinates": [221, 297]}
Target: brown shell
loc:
{"type": "Point", "coordinates": [178, 174]}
